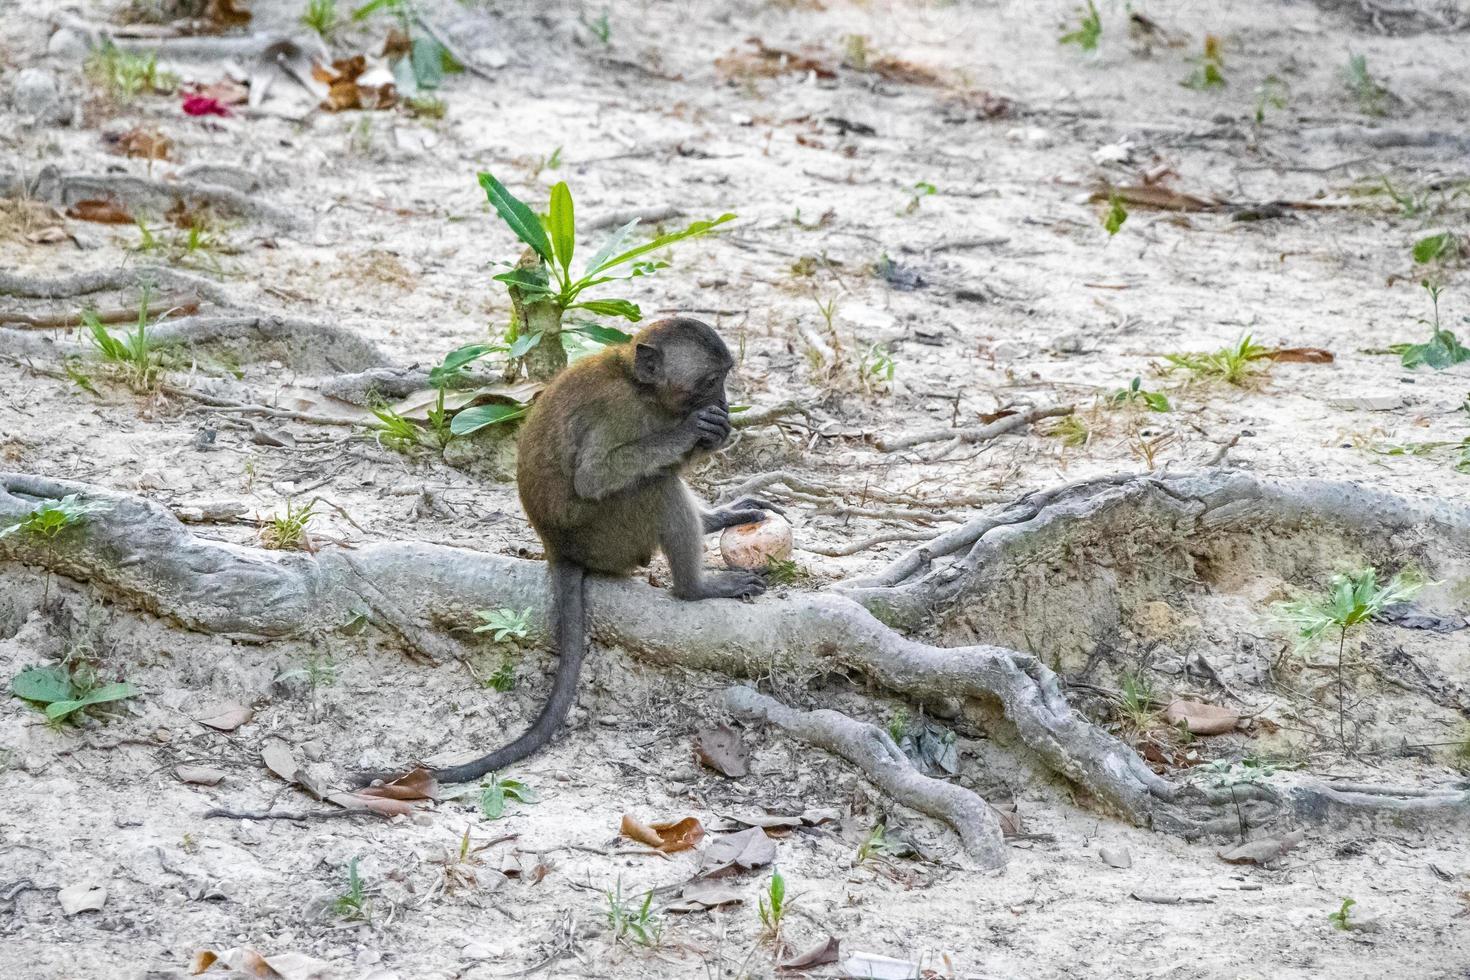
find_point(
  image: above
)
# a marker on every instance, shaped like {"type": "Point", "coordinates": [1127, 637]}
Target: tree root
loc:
{"type": "Point", "coordinates": [180, 303]}
{"type": "Point", "coordinates": [65, 189]}
{"type": "Point", "coordinates": [871, 749]}
{"type": "Point", "coordinates": [304, 344]}
{"type": "Point", "coordinates": [983, 433]}
{"type": "Point", "coordinates": [84, 283]}
{"type": "Point", "coordinates": [139, 553]}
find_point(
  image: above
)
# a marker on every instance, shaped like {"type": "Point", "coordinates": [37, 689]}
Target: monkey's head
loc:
{"type": "Point", "coordinates": [682, 363]}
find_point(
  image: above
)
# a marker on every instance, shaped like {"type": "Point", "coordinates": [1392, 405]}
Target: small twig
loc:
{"type": "Point", "coordinates": [290, 814]}
{"type": "Point", "coordinates": [181, 303]}
{"type": "Point", "coordinates": [983, 433]}
{"type": "Point", "coordinates": [852, 548]}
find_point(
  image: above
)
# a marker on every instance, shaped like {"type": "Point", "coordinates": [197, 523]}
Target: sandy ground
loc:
{"type": "Point", "coordinates": [1007, 290]}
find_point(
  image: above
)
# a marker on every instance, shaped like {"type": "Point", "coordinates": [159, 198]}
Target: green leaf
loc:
{"type": "Point", "coordinates": [523, 345]}
{"type": "Point", "coordinates": [457, 359]}
{"type": "Point", "coordinates": [611, 307]}
{"type": "Point", "coordinates": [492, 800]}
{"type": "Point", "coordinates": [693, 231]}
{"type": "Point", "coordinates": [521, 219]}
{"type": "Point", "coordinates": [108, 692]}
{"type": "Point", "coordinates": [531, 282]}
{"type": "Point", "coordinates": [601, 334]}
{"type": "Point", "coordinates": [1431, 248]}
{"type": "Point", "coordinates": [476, 418]}
{"type": "Point", "coordinates": [368, 9]}
{"type": "Point", "coordinates": [1443, 350]}
{"type": "Point", "coordinates": [563, 227]}
{"type": "Point", "coordinates": [1156, 401]}
{"type": "Point", "coordinates": [427, 58]}
{"type": "Point", "coordinates": [1116, 215]}
{"type": "Point", "coordinates": [613, 243]}
{"type": "Point", "coordinates": [42, 684]}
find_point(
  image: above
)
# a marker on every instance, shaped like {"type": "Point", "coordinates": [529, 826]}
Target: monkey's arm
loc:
{"type": "Point", "coordinates": [606, 466]}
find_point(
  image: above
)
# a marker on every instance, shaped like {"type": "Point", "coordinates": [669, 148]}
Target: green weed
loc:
{"type": "Point", "coordinates": [1115, 215]}
{"type": "Point", "coordinates": [61, 692]}
{"type": "Point", "coordinates": [772, 906]}
{"type": "Point", "coordinates": [1442, 350]}
{"type": "Point", "coordinates": [640, 925]}
{"type": "Point", "coordinates": [125, 75]}
{"type": "Point", "coordinates": [320, 16]}
{"type": "Point", "coordinates": [133, 355]}
{"type": "Point", "coordinates": [1373, 97]}
{"type": "Point", "coordinates": [48, 519]}
{"type": "Point", "coordinates": [1136, 702]}
{"type": "Point", "coordinates": [1088, 31]}
{"type": "Point", "coordinates": [496, 791]}
{"type": "Point", "coordinates": [352, 904]}
{"type": "Point", "coordinates": [1135, 393]}
{"type": "Point", "coordinates": [1209, 67]}
{"type": "Point", "coordinates": [1339, 919]}
{"type": "Point", "coordinates": [1234, 365]}
{"type": "Point", "coordinates": [287, 531]}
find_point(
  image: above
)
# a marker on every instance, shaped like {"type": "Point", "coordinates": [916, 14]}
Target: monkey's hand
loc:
{"type": "Point", "coordinates": [710, 427]}
{"type": "Point", "coordinates": [746, 510]}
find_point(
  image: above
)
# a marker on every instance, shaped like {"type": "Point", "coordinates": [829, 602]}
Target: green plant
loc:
{"type": "Point", "coordinates": [51, 517]}
{"type": "Point", "coordinates": [426, 106]}
{"type": "Point", "coordinates": [877, 843]}
{"type": "Point", "coordinates": [784, 571]}
{"type": "Point", "coordinates": [1071, 430]}
{"type": "Point", "coordinates": [504, 624]}
{"type": "Point", "coordinates": [320, 16]}
{"type": "Point", "coordinates": [1411, 204]}
{"type": "Point", "coordinates": [1442, 350]}
{"type": "Point", "coordinates": [1355, 598]}
{"type": "Point", "coordinates": [1339, 919]}
{"type": "Point", "coordinates": [1136, 702]}
{"type": "Point", "coordinates": [394, 431]}
{"type": "Point", "coordinates": [1373, 97]}
{"type": "Point", "coordinates": [62, 692]}
{"type": "Point", "coordinates": [898, 725]}
{"type": "Point", "coordinates": [600, 28]}
{"type": "Point", "coordinates": [133, 354]}
{"type": "Point", "coordinates": [772, 906]}
{"type": "Point", "coordinates": [554, 243]}
{"type": "Point", "coordinates": [639, 925]}
{"type": "Point", "coordinates": [426, 61]}
{"type": "Point", "coordinates": [72, 366]}
{"type": "Point", "coordinates": [1135, 392]}
{"type": "Point", "coordinates": [287, 531]}
{"type": "Point", "coordinates": [922, 190]}
{"type": "Point", "coordinates": [877, 364]}
{"type": "Point", "coordinates": [1115, 215]}
{"type": "Point", "coordinates": [495, 791]}
{"type": "Point", "coordinates": [124, 75]}
{"type": "Point", "coordinates": [855, 52]}
{"type": "Point", "coordinates": [1089, 29]}
{"type": "Point", "coordinates": [318, 670]}
{"type": "Point", "coordinates": [1444, 245]}
{"type": "Point", "coordinates": [1273, 93]}
{"type": "Point", "coordinates": [1233, 365]}
{"type": "Point", "coordinates": [1208, 67]}
{"type": "Point", "coordinates": [352, 904]}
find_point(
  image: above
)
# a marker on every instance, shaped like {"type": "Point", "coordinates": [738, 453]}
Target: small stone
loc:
{"type": "Point", "coordinates": [1067, 343]}
{"type": "Point", "coordinates": [37, 94]}
{"type": "Point", "coordinates": [88, 896]}
{"type": "Point", "coordinates": [1115, 857]}
{"type": "Point", "coordinates": [199, 775]}
{"type": "Point", "coordinates": [68, 45]}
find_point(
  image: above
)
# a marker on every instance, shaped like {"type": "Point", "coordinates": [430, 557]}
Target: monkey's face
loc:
{"type": "Point", "coordinates": [685, 373]}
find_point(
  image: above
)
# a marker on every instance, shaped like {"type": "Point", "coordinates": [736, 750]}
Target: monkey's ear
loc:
{"type": "Point", "coordinates": [648, 364]}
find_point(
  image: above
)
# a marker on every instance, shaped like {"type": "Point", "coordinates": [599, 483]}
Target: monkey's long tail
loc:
{"type": "Point", "coordinates": [569, 630]}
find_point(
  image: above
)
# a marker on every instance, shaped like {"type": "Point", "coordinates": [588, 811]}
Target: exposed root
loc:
{"type": "Point", "coordinates": [863, 544]}
{"type": "Point", "coordinates": [180, 303]}
{"type": "Point", "coordinates": [304, 344]}
{"type": "Point", "coordinates": [771, 413]}
{"type": "Point", "coordinates": [375, 384]}
{"type": "Point", "coordinates": [871, 749]}
{"type": "Point", "coordinates": [83, 283]}
{"type": "Point", "coordinates": [983, 433]}
{"type": "Point", "coordinates": [64, 189]}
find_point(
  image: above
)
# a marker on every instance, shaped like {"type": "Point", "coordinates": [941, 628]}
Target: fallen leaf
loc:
{"type": "Point", "coordinates": [199, 775]}
{"type": "Point", "coordinates": [821, 954]}
{"type": "Point", "coordinates": [226, 91]}
{"type": "Point", "coordinates": [149, 144]}
{"type": "Point", "coordinates": [279, 759]}
{"type": "Point", "coordinates": [1115, 857]}
{"type": "Point", "coordinates": [1162, 198]}
{"type": "Point", "coordinates": [1009, 816]}
{"type": "Point", "coordinates": [377, 804]}
{"type": "Point", "coordinates": [1200, 718]}
{"type": "Point", "coordinates": [87, 896]}
{"type": "Point", "coordinates": [276, 966]}
{"type": "Point", "coordinates": [817, 816]}
{"type": "Point", "coordinates": [720, 749]}
{"type": "Point", "coordinates": [353, 84]}
{"type": "Point", "coordinates": [225, 717]}
{"type": "Point", "coordinates": [738, 852]}
{"type": "Point", "coordinates": [1265, 850]}
{"type": "Point", "coordinates": [1300, 355]}
{"type": "Point", "coordinates": [418, 784]}
{"type": "Point", "coordinates": [767, 822]}
{"type": "Point", "coordinates": [48, 236]}
{"type": "Point", "coordinates": [702, 894]}
{"type": "Point", "coordinates": [904, 72]}
{"type": "Point", "coordinates": [225, 13]}
{"type": "Point", "coordinates": [768, 62]}
{"type": "Point", "coordinates": [872, 966]}
{"type": "Point", "coordinates": [105, 212]}
{"type": "Point", "coordinates": [200, 105]}
{"type": "Point", "coordinates": [679, 835]}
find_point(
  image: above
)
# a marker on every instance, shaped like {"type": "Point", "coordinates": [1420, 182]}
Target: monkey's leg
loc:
{"type": "Point", "coordinates": [746, 510]}
{"type": "Point", "coordinates": [681, 536]}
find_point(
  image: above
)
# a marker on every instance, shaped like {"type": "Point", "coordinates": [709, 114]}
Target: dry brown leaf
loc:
{"type": "Point", "coordinates": [277, 966]}
{"type": "Point", "coordinates": [905, 72]}
{"type": "Point", "coordinates": [821, 954]}
{"type": "Point", "coordinates": [377, 804]}
{"type": "Point", "coordinates": [736, 852]}
{"type": "Point", "coordinates": [1161, 198]}
{"type": "Point", "coordinates": [768, 62]}
{"type": "Point", "coordinates": [701, 894]}
{"type": "Point", "coordinates": [720, 749]}
{"type": "Point", "coordinates": [1200, 718]}
{"type": "Point", "coordinates": [1300, 355]}
{"type": "Point", "coordinates": [104, 212]}
{"type": "Point", "coordinates": [679, 835]}
{"type": "Point", "coordinates": [225, 717]}
{"type": "Point", "coordinates": [226, 13]}
{"type": "Point", "coordinates": [354, 84]}
{"type": "Point", "coordinates": [148, 144]}
{"type": "Point", "coordinates": [279, 759]}
{"type": "Point", "coordinates": [419, 784]}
